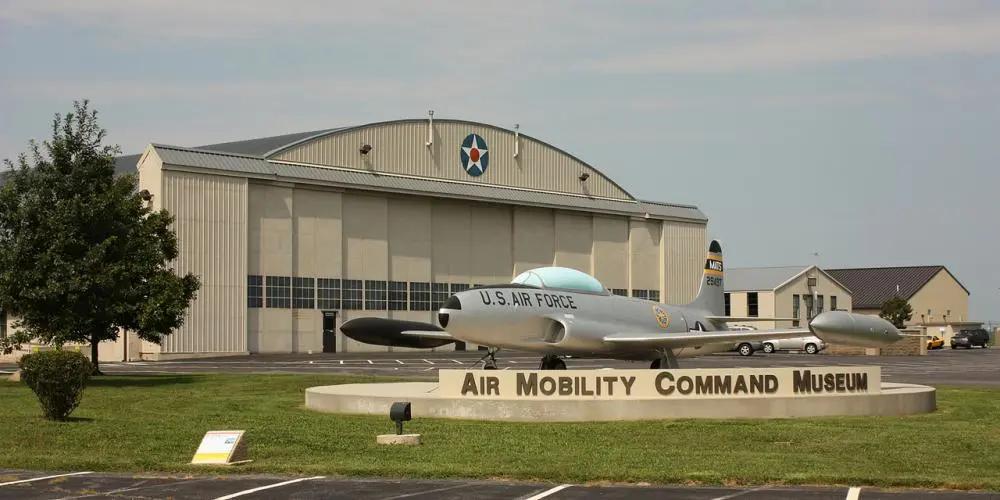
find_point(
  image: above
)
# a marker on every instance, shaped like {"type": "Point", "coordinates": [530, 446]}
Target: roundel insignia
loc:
{"type": "Point", "coordinates": [474, 155]}
{"type": "Point", "coordinates": [662, 317]}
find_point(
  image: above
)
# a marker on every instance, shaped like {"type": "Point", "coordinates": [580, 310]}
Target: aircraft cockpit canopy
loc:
{"type": "Point", "coordinates": [562, 278]}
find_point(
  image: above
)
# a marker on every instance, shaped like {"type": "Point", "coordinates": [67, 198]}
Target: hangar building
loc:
{"type": "Point", "coordinates": [295, 234]}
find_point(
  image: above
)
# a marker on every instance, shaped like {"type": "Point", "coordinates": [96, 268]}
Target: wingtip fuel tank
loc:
{"type": "Point", "coordinates": [854, 329]}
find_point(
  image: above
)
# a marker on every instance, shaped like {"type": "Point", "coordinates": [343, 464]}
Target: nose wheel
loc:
{"type": "Point", "coordinates": [552, 362]}
{"type": "Point", "coordinates": [489, 360]}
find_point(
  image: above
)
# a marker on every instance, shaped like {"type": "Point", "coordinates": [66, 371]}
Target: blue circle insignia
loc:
{"type": "Point", "coordinates": [474, 155]}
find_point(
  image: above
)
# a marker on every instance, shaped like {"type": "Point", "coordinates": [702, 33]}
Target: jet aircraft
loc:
{"type": "Point", "coordinates": [561, 312]}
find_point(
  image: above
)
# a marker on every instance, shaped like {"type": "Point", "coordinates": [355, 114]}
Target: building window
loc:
{"type": "Point", "coordinates": [397, 296]}
{"type": "Point", "coordinates": [752, 304]}
{"type": "Point", "coordinates": [729, 307]}
{"type": "Point", "coordinates": [420, 296]}
{"type": "Point", "coordinates": [795, 310]}
{"type": "Point", "coordinates": [833, 302]}
{"type": "Point", "coordinates": [255, 291]}
{"type": "Point", "coordinates": [819, 305]}
{"type": "Point", "coordinates": [375, 296]}
{"type": "Point", "coordinates": [809, 306]}
{"type": "Point", "coordinates": [654, 295]}
{"type": "Point", "coordinates": [640, 294]}
{"type": "Point", "coordinates": [303, 293]}
{"type": "Point", "coordinates": [619, 291]}
{"type": "Point", "coordinates": [351, 294]}
{"type": "Point", "coordinates": [458, 287]}
{"type": "Point", "coordinates": [439, 294]}
{"type": "Point", "coordinates": [328, 293]}
{"type": "Point", "coordinates": [279, 292]}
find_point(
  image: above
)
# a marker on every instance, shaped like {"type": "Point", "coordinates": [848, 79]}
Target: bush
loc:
{"type": "Point", "coordinates": [57, 378]}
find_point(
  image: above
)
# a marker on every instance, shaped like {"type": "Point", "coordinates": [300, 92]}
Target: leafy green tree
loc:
{"type": "Point", "coordinates": [896, 311]}
{"type": "Point", "coordinates": [82, 255]}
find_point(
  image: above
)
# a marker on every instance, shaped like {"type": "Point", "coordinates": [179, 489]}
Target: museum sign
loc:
{"type": "Point", "coordinates": [660, 384]}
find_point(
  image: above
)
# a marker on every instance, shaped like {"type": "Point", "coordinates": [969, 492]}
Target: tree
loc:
{"type": "Point", "coordinates": [896, 311]}
{"type": "Point", "coordinates": [81, 253]}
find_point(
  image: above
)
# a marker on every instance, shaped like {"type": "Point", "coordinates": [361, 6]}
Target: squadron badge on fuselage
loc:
{"type": "Point", "coordinates": [662, 317]}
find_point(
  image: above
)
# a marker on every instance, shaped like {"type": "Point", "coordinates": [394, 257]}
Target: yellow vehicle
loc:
{"type": "Point", "coordinates": [935, 342]}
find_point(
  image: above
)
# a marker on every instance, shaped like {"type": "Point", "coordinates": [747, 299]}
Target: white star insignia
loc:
{"type": "Point", "coordinates": [479, 155]}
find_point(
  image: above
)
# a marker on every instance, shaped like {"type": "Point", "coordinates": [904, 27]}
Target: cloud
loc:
{"type": "Point", "coordinates": [778, 45]}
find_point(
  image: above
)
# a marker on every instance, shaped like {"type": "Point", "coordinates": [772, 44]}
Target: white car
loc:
{"type": "Point", "coordinates": [810, 344]}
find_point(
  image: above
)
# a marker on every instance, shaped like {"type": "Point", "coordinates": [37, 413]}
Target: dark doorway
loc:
{"type": "Point", "coordinates": [459, 345]}
{"type": "Point", "coordinates": [329, 331]}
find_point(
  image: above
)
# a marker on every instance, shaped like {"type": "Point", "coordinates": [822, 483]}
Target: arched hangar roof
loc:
{"type": "Point", "coordinates": [412, 156]}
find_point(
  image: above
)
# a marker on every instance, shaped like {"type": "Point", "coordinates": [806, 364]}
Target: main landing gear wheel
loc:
{"type": "Point", "coordinates": [552, 362]}
{"type": "Point", "coordinates": [769, 348]}
{"type": "Point", "coordinates": [490, 360]}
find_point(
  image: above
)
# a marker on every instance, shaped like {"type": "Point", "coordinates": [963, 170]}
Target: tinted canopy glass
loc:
{"type": "Point", "coordinates": [560, 277]}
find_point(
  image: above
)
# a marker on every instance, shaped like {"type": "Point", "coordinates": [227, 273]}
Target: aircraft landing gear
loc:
{"type": "Point", "coordinates": [666, 361]}
{"type": "Point", "coordinates": [552, 362]}
{"type": "Point", "coordinates": [489, 360]}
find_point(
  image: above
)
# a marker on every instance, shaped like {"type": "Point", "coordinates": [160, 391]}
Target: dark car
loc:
{"type": "Point", "coordinates": [969, 338]}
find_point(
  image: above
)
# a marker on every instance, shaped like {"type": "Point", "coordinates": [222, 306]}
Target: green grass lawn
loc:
{"type": "Point", "coordinates": [154, 423]}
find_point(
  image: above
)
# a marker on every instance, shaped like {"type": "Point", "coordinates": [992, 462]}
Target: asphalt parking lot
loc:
{"type": "Point", "coordinates": [942, 367]}
{"type": "Point", "coordinates": [62, 485]}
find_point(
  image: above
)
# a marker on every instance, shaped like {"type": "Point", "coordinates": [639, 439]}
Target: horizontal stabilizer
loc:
{"type": "Point", "coordinates": [692, 339]}
{"type": "Point", "coordinates": [396, 333]}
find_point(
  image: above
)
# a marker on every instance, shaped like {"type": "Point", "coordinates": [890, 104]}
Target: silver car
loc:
{"type": "Point", "coordinates": [746, 348]}
{"type": "Point", "coordinates": [810, 344]}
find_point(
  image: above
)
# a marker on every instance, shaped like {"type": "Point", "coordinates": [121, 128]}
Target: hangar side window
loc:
{"type": "Point", "coordinates": [619, 291]}
{"type": "Point", "coordinates": [303, 293]}
{"type": "Point", "coordinates": [352, 294]}
{"type": "Point", "coordinates": [397, 296]}
{"type": "Point", "coordinates": [279, 292]}
{"type": "Point", "coordinates": [420, 296]}
{"type": "Point", "coordinates": [654, 295]}
{"type": "Point", "coordinates": [255, 291]}
{"type": "Point", "coordinates": [752, 310]}
{"type": "Point", "coordinates": [375, 295]}
{"type": "Point", "coordinates": [328, 293]}
{"type": "Point", "coordinates": [458, 287]}
{"type": "Point", "coordinates": [439, 294]}
{"type": "Point", "coordinates": [640, 294]}
{"type": "Point", "coordinates": [795, 309]}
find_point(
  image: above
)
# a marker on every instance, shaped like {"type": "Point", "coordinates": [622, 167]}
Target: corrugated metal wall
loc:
{"type": "Point", "coordinates": [400, 148]}
{"type": "Point", "coordinates": [683, 249]}
{"type": "Point", "coordinates": [211, 225]}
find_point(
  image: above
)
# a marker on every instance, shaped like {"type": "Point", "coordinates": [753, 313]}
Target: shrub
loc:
{"type": "Point", "coordinates": [57, 378]}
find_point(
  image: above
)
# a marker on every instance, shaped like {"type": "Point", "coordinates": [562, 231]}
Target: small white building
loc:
{"type": "Point", "coordinates": [783, 292]}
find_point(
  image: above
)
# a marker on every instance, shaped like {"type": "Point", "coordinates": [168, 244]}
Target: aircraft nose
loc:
{"type": "Point", "coordinates": [454, 304]}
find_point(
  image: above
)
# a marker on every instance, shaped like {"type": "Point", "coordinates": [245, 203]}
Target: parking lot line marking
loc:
{"type": "Point", "coordinates": [457, 361]}
{"type": "Point", "coordinates": [549, 491]}
{"type": "Point", "coordinates": [400, 362]}
{"type": "Point", "coordinates": [428, 362]}
{"type": "Point", "coordinates": [43, 478]}
{"type": "Point", "coordinates": [267, 487]}
{"type": "Point", "coordinates": [740, 493]}
{"type": "Point", "coordinates": [425, 492]}
{"type": "Point", "coordinates": [370, 362]}
{"type": "Point", "coordinates": [854, 493]}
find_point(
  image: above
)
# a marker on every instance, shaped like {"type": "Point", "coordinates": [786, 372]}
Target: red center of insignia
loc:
{"type": "Point", "coordinates": [474, 154]}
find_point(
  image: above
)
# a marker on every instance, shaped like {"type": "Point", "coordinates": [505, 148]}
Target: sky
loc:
{"type": "Point", "coordinates": [844, 134]}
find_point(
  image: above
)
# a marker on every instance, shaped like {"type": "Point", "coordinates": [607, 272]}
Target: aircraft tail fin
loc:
{"type": "Point", "coordinates": [711, 295]}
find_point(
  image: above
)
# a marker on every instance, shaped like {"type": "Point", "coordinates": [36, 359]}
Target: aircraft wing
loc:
{"type": "Point", "coordinates": [692, 339]}
{"type": "Point", "coordinates": [427, 334]}
{"type": "Point", "coordinates": [724, 319]}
